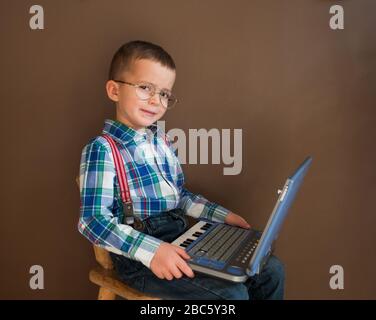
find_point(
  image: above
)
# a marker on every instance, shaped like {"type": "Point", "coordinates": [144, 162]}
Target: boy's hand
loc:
{"type": "Point", "coordinates": [236, 220]}
{"type": "Point", "coordinates": [168, 262]}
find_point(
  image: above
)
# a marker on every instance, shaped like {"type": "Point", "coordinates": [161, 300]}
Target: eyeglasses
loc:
{"type": "Point", "coordinates": [145, 91]}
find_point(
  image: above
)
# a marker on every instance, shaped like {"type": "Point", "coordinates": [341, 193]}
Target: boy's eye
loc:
{"type": "Point", "coordinates": [145, 87]}
{"type": "Point", "coordinates": [165, 95]}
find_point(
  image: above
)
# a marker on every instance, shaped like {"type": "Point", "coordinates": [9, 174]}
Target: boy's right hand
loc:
{"type": "Point", "coordinates": [168, 262]}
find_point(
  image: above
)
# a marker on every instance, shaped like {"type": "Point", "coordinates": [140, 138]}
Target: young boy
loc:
{"type": "Point", "coordinates": [140, 84]}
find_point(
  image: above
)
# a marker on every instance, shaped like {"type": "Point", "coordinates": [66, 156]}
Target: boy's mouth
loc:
{"type": "Point", "coordinates": [148, 113]}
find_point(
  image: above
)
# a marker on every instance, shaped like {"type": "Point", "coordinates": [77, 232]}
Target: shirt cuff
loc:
{"type": "Point", "coordinates": [147, 250]}
{"type": "Point", "coordinates": [219, 213]}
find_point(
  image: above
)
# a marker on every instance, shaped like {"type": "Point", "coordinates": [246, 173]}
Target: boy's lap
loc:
{"type": "Point", "coordinates": [136, 275]}
{"type": "Point", "coordinates": [199, 287]}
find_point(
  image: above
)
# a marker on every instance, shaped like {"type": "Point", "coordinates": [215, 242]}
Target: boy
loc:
{"type": "Point", "coordinates": [140, 84]}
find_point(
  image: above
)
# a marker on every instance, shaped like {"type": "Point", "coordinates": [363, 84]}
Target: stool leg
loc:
{"type": "Point", "coordinates": [105, 294]}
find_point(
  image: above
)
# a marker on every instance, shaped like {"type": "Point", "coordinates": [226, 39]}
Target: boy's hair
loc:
{"type": "Point", "coordinates": [136, 50]}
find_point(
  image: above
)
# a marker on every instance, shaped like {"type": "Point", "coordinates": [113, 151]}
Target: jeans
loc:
{"type": "Point", "coordinates": [268, 284]}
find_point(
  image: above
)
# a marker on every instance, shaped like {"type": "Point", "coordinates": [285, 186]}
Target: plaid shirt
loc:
{"type": "Point", "coordinates": [156, 184]}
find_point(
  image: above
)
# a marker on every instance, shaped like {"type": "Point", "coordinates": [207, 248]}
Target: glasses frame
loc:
{"type": "Point", "coordinates": [154, 91]}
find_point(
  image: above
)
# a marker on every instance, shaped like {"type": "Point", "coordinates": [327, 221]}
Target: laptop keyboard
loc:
{"type": "Point", "coordinates": [220, 244]}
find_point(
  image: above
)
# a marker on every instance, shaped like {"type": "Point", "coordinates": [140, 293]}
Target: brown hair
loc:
{"type": "Point", "coordinates": [136, 50]}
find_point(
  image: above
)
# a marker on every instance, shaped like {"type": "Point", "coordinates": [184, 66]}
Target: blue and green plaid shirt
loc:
{"type": "Point", "coordinates": [156, 183]}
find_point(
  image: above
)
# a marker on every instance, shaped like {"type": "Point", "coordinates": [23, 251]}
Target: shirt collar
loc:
{"type": "Point", "coordinates": [125, 134]}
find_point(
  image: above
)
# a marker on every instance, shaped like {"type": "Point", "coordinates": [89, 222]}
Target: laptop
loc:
{"type": "Point", "coordinates": [234, 253]}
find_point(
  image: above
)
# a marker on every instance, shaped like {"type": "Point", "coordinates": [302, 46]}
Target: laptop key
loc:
{"type": "Point", "coordinates": [228, 254]}
{"type": "Point", "coordinates": [229, 243]}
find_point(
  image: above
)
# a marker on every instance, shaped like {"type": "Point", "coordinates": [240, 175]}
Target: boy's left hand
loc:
{"type": "Point", "coordinates": [236, 220]}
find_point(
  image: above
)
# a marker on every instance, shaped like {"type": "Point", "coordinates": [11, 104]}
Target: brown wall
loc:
{"type": "Point", "coordinates": [272, 68]}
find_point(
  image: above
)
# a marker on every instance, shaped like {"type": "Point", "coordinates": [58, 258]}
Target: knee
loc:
{"type": "Point", "coordinates": [270, 282]}
{"type": "Point", "coordinates": [237, 292]}
{"type": "Point", "coordinates": [275, 268]}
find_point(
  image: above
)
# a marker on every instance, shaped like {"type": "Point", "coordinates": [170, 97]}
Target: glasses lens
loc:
{"type": "Point", "coordinates": [164, 96]}
{"type": "Point", "coordinates": [167, 99]}
{"type": "Point", "coordinates": [171, 102]}
{"type": "Point", "coordinates": [145, 91]}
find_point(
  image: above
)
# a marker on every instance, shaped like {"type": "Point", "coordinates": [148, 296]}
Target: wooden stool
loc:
{"type": "Point", "coordinates": [109, 284]}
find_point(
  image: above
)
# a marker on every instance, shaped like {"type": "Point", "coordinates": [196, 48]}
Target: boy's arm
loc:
{"type": "Point", "coordinates": [197, 206]}
{"type": "Point", "coordinates": [97, 221]}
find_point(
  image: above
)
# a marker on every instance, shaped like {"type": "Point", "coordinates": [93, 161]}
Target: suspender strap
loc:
{"type": "Point", "coordinates": [123, 182]}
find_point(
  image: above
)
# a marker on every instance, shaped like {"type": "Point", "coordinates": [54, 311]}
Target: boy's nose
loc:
{"type": "Point", "coordinates": [154, 99]}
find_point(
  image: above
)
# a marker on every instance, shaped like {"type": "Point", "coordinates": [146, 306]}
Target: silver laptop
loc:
{"type": "Point", "coordinates": [233, 253]}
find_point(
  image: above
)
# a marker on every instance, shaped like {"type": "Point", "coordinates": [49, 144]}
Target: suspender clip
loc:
{"type": "Point", "coordinates": [128, 213]}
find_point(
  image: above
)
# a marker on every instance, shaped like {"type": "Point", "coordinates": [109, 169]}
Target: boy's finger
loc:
{"type": "Point", "coordinates": [176, 272]}
{"type": "Point", "coordinates": [159, 274]}
{"type": "Point", "coordinates": [245, 224]}
{"type": "Point", "coordinates": [168, 275]}
{"type": "Point", "coordinates": [182, 253]}
{"type": "Point", "coordinates": [185, 268]}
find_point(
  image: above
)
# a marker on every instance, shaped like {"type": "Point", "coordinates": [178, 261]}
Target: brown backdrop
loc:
{"type": "Point", "coordinates": [272, 68]}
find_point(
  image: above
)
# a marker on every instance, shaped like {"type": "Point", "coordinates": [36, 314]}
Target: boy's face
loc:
{"type": "Point", "coordinates": [130, 109]}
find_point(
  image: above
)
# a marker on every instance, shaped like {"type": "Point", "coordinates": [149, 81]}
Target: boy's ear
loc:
{"type": "Point", "coordinates": [112, 89]}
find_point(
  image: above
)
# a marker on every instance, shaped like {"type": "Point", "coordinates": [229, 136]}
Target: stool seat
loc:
{"type": "Point", "coordinates": [110, 286]}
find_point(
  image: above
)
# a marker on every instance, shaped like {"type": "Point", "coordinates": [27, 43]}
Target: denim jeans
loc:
{"type": "Point", "coordinates": [269, 284]}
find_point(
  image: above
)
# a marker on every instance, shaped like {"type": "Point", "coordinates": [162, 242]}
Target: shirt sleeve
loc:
{"type": "Point", "coordinates": [195, 205]}
{"type": "Point", "coordinates": [97, 221]}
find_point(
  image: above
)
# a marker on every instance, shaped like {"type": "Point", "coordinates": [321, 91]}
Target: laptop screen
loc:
{"type": "Point", "coordinates": [278, 216]}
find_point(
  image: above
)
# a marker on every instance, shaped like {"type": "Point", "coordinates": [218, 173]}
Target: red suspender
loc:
{"type": "Point", "coordinates": [123, 182]}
